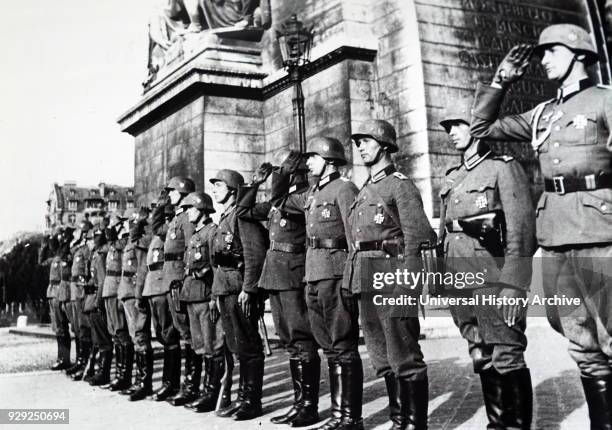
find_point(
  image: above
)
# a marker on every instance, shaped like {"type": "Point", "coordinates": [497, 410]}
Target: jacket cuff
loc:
{"type": "Point", "coordinates": [488, 101]}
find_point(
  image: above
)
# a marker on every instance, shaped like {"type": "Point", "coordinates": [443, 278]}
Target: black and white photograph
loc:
{"type": "Point", "coordinates": [317, 214]}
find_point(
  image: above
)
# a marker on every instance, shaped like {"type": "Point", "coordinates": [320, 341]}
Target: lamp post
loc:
{"type": "Point", "coordinates": [295, 41]}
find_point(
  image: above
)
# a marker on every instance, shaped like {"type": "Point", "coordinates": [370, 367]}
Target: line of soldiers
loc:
{"type": "Point", "coordinates": [204, 284]}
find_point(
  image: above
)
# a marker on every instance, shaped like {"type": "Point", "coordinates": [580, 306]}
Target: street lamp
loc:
{"type": "Point", "coordinates": [295, 41]}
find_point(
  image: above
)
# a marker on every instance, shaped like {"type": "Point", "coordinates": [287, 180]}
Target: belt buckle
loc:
{"type": "Point", "coordinates": [590, 182]}
{"type": "Point", "coordinates": [272, 242]}
{"type": "Point", "coordinates": [358, 245]}
{"type": "Point", "coordinates": [559, 184]}
{"type": "Point", "coordinates": [313, 242]}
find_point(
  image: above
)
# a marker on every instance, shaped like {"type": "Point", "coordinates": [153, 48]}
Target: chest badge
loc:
{"type": "Point", "coordinates": [325, 213]}
{"type": "Point", "coordinates": [198, 255]}
{"type": "Point", "coordinates": [283, 222]}
{"type": "Point", "coordinates": [129, 262]}
{"type": "Point", "coordinates": [78, 259]}
{"type": "Point", "coordinates": [580, 122]}
{"type": "Point", "coordinates": [155, 255]}
{"type": "Point", "coordinates": [379, 218]}
{"type": "Point", "coordinates": [173, 236]}
{"type": "Point", "coordinates": [229, 238]}
{"type": "Point", "coordinates": [482, 202]}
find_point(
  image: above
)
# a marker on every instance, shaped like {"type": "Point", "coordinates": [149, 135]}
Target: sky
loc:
{"type": "Point", "coordinates": [68, 69]}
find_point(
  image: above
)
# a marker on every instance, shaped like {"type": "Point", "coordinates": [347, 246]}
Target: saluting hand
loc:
{"type": "Point", "coordinates": [513, 66]}
{"type": "Point", "coordinates": [262, 173]}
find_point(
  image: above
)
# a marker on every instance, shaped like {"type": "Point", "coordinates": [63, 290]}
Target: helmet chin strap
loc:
{"type": "Point", "coordinates": [226, 198]}
{"type": "Point", "coordinates": [379, 154]}
{"type": "Point", "coordinates": [569, 69]}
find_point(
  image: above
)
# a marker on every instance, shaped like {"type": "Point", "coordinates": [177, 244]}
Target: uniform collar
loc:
{"type": "Point", "coordinates": [482, 152]}
{"type": "Point", "coordinates": [564, 93]}
{"type": "Point", "coordinates": [297, 187]}
{"type": "Point", "coordinates": [228, 210]}
{"type": "Point", "coordinates": [178, 210]}
{"type": "Point", "coordinates": [383, 173]}
{"type": "Point", "coordinates": [327, 179]}
{"type": "Point", "coordinates": [203, 223]}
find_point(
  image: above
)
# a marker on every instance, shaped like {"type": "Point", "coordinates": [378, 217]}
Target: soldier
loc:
{"type": "Point", "coordinates": [482, 186]}
{"type": "Point", "coordinates": [282, 278]}
{"type": "Point", "coordinates": [59, 321]}
{"type": "Point", "coordinates": [206, 332]}
{"type": "Point", "coordinates": [388, 221]}
{"type": "Point", "coordinates": [81, 255]}
{"type": "Point", "coordinates": [136, 309]}
{"type": "Point", "coordinates": [157, 293]}
{"type": "Point", "coordinates": [117, 237]}
{"type": "Point", "coordinates": [63, 314]}
{"type": "Point", "coordinates": [571, 137]}
{"type": "Point", "coordinates": [179, 233]}
{"type": "Point", "coordinates": [94, 307]}
{"type": "Point", "coordinates": [332, 310]}
{"type": "Point", "coordinates": [237, 250]}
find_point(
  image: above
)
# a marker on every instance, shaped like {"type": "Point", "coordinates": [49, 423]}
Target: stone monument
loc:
{"type": "Point", "coordinates": [218, 97]}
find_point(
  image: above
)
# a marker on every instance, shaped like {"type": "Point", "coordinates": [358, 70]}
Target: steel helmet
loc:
{"type": "Point", "coordinates": [329, 148]}
{"type": "Point", "coordinates": [572, 37]}
{"type": "Point", "coordinates": [378, 129]}
{"type": "Point", "coordinates": [454, 114]}
{"type": "Point", "coordinates": [199, 200]}
{"type": "Point", "coordinates": [181, 184]}
{"type": "Point", "coordinates": [130, 213]}
{"type": "Point", "coordinates": [231, 178]}
{"type": "Point", "coordinates": [85, 226]}
{"type": "Point", "coordinates": [116, 218]}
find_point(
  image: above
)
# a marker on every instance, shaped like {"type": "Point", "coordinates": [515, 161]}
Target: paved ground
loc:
{"type": "Point", "coordinates": [455, 399]}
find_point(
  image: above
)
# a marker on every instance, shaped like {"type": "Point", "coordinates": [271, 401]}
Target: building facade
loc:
{"type": "Point", "coordinates": [69, 203]}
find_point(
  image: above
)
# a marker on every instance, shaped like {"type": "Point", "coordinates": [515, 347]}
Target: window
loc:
{"type": "Point", "coordinates": [71, 219]}
{"type": "Point", "coordinates": [73, 205]}
{"type": "Point", "coordinates": [113, 205]}
{"type": "Point", "coordinates": [129, 204]}
{"type": "Point", "coordinates": [130, 193]}
{"type": "Point", "coordinates": [93, 192]}
{"type": "Point", "coordinates": [72, 193]}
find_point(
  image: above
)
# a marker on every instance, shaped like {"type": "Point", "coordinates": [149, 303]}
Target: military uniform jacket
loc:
{"type": "Point", "coordinates": [326, 206]}
{"type": "Point", "coordinates": [571, 136]}
{"type": "Point", "coordinates": [133, 269]}
{"type": "Point", "coordinates": [113, 269]}
{"type": "Point", "coordinates": [282, 270]}
{"type": "Point", "coordinates": [55, 276]}
{"type": "Point", "coordinates": [493, 183]}
{"type": "Point", "coordinates": [369, 221]}
{"type": "Point", "coordinates": [154, 280]}
{"type": "Point", "coordinates": [94, 299]}
{"type": "Point", "coordinates": [63, 290]}
{"type": "Point", "coordinates": [198, 282]}
{"type": "Point", "coordinates": [79, 271]}
{"type": "Point", "coordinates": [242, 239]}
{"type": "Point", "coordinates": [179, 233]}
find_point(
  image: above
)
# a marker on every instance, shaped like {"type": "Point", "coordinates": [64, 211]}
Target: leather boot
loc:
{"type": "Point", "coordinates": [253, 386]}
{"type": "Point", "coordinates": [308, 412]}
{"type": "Point", "coordinates": [206, 370]}
{"type": "Point", "coordinates": [412, 397]}
{"type": "Point", "coordinates": [90, 369]}
{"type": "Point", "coordinates": [127, 362]}
{"type": "Point", "coordinates": [235, 405]}
{"type": "Point", "coordinates": [79, 359]}
{"type": "Point", "coordinates": [193, 372]}
{"type": "Point", "coordinates": [598, 393]}
{"type": "Point", "coordinates": [492, 391]}
{"type": "Point", "coordinates": [352, 396]}
{"type": "Point", "coordinates": [296, 378]}
{"type": "Point", "coordinates": [118, 367]}
{"type": "Point", "coordinates": [225, 396]}
{"type": "Point", "coordinates": [207, 402]}
{"type": "Point", "coordinates": [102, 376]}
{"type": "Point", "coordinates": [63, 353]}
{"type": "Point", "coordinates": [395, 411]}
{"type": "Point", "coordinates": [128, 368]}
{"type": "Point", "coordinates": [144, 376]}
{"type": "Point", "coordinates": [518, 399]}
{"type": "Point", "coordinates": [83, 359]}
{"type": "Point", "coordinates": [170, 375]}
{"type": "Point", "coordinates": [335, 387]}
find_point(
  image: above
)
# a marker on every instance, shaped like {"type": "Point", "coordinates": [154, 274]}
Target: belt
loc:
{"type": "Point", "coordinates": [128, 274]}
{"type": "Point", "coordinates": [315, 242]}
{"type": "Point", "coordinates": [571, 184]}
{"type": "Point", "coordinates": [113, 273]}
{"type": "Point", "coordinates": [91, 289]}
{"type": "Point", "coordinates": [293, 248]}
{"type": "Point", "coordinates": [77, 279]}
{"type": "Point", "coordinates": [66, 278]}
{"type": "Point", "coordinates": [173, 257]}
{"type": "Point", "coordinates": [378, 245]}
{"type": "Point", "coordinates": [453, 226]}
{"type": "Point", "coordinates": [54, 282]}
{"type": "Point", "coordinates": [156, 266]}
{"type": "Point", "coordinates": [224, 260]}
